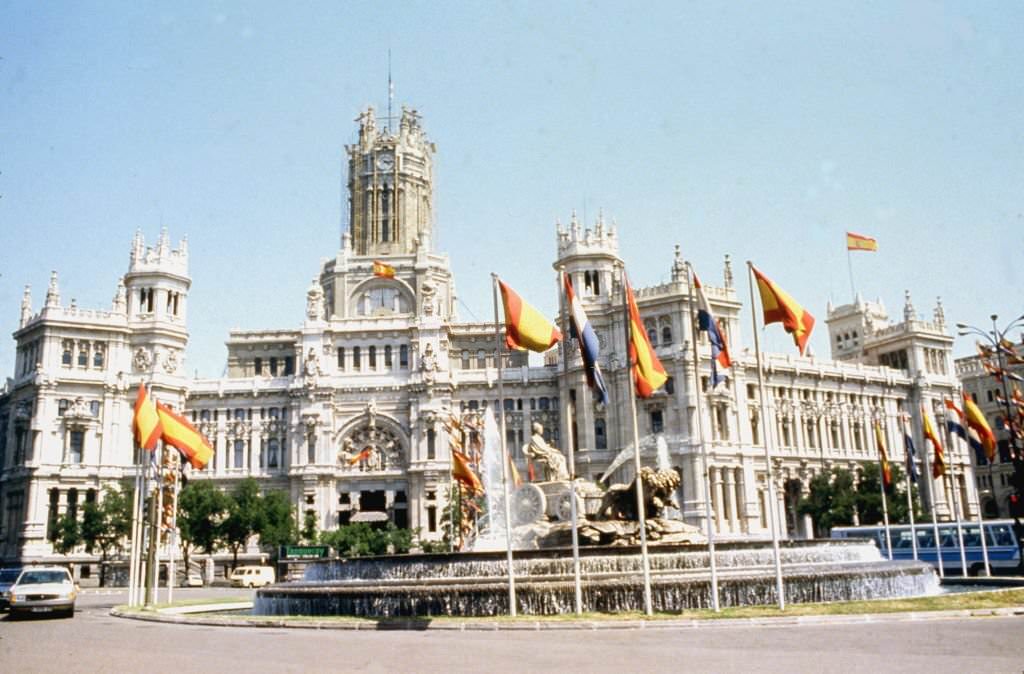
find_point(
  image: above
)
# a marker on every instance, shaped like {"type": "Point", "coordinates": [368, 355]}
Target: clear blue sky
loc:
{"type": "Point", "coordinates": [762, 130]}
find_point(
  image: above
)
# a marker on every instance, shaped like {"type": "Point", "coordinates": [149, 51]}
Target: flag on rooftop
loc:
{"type": "Point", "coordinates": [707, 322]}
{"type": "Point", "coordinates": [939, 460]}
{"type": "Point", "coordinates": [860, 242]}
{"type": "Point", "coordinates": [179, 433]}
{"type": "Point", "coordinates": [648, 373]}
{"type": "Point", "coordinates": [780, 307]}
{"type": "Point", "coordinates": [383, 269]}
{"type": "Point", "coordinates": [525, 327]}
{"type": "Point", "coordinates": [583, 331]}
{"type": "Point", "coordinates": [145, 421]}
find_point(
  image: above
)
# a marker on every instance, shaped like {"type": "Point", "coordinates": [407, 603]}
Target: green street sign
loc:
{"type": "Point", "coordinates": [304, 551]}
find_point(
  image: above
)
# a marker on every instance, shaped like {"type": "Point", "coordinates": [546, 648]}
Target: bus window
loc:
{"type": "Point", "coordinates": [925, 539]}
{"type": "Point", "coordinates": [1000, 534]}
{"type": "Point", "coordinates": [949, 537]}
{"type": "Point", "coordinates": [971, 537]}
{"type": "Point", "coordinates": [903, 540]}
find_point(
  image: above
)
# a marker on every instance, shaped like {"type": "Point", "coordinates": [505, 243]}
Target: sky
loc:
{"type": "Point", "coordinates": [761, 130]}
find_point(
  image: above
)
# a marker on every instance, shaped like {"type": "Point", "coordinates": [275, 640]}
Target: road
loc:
{"type": "Point", "coordinates": [96, 642]}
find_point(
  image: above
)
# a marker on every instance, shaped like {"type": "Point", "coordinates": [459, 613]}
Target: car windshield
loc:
{"type": "Point", "coordinates": [39, 577]}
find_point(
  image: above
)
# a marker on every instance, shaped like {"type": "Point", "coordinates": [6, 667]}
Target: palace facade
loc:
{"type": "Point", "coordinates": [380, 362]}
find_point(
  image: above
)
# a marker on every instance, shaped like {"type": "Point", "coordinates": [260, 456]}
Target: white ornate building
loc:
{"type": "Point", "coordinates": [378, 362]}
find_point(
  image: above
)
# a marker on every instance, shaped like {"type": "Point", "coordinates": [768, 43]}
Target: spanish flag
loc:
{"type": "Point", "coordinates": [883, 456]}
{"type": "Point", "coordinates": [464, 474]}
{"type": "Point", "coordinates": [648, 372]}
{"type": "Point", "coordinates": [939, 463]}
{"type": "Point", "coordinates": [383, 269]}
{"type": "Point", "coordinates": [179, 433]}
{"type": "Point", "coordinates": [525, 327]}
{"type": "Point", "coordinates": [860, 242]}
{"type": "Point", "coordinates": [146, 422]}
{"type": "Point", "coordinates": [365, 454]}
{"type": "Point", "coordinates": [779, 307]}
{"type": "Point", "coordinates": [979, 424]}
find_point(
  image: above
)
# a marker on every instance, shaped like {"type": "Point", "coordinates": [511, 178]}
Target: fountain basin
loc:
{"type": "Point", "coordinates": [476, 584]}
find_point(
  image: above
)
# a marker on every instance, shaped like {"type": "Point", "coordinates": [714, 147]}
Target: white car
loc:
{"type": "Point", "coordinates": [44, 589]}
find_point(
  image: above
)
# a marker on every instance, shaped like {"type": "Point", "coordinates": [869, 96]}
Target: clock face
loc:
{"type": "Point", "coordinates": [385, 162]}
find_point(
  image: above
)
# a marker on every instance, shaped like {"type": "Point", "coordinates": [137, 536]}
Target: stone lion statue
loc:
{"type": "Point", "coordinates": [619, 502]}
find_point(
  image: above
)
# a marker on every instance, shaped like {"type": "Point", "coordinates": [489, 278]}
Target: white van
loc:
{"type": "Point", "coordinates": [252, 576]}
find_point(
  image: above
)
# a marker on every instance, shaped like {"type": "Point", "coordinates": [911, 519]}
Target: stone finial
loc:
{"type": "Point", "coordinates": [831, 307]}
{"type": "Point", "coordinates": [678, 265]}
{"type": "Point", "coordinates": [599, 225]}
{"type": "Point", "coordinates": [183, 246]}
{"type": "Point", "coordinates": [138, 246]}
{"type": "Point", "coordinates": [163, 244]}
{"type": "Point", "coordinates": [727, 272]}
{"type": "Point", "coordinates": [559, 230]}
{"type": "Point", "coordinates": [940, 312]}
{"type": "Point", "coordinates": [26, 306]}
{"type": "Point", "coordinates": [315, 301]}
{"type": "Point", "coordinates": [574, 226]}
{"type": "Point", "coordinates": [121, 298]}
{"type": "Point", "coordinates": [53, 292]}
{"type": "Point", "coordinates": [346, 242]}
{"type": "Point", "coordinates": [908, 307]}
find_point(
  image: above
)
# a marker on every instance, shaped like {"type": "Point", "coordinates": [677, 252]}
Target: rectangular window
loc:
{"type": "Point", "coordinates": [403, 356]}
{"type": "Point", "coordinates": [357, 356]}
{"type": "Point", "coordinates": [387, 356]}
{"type": "Point", "coordinates": [431, 518]}
{"type": "Point", "coordinates": [341, 358]}
{"type": "Point", "coordinates": [76, 443]}
{"type": "Point", "coordinates": [257, 367]}
{"type": "Point", "coordinates": [273, 366]}
{"type": "Point", "coordinates": [657, 421]}
{"type": "Point", "coordinates": [373, 357]}
{"type": "Point", "coordinates": [289, 365]}
{"type": "Point", "coordinates": [431, 443]}
{"type": "Point", "coordinates": [239, 454]}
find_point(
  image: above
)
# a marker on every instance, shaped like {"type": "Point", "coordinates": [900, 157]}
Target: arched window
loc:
{"type": "Point", "coordinates": [666, 334]}
{"type": "Point", "coordinates": [387, 355]}
{"type": "Point", "coordinates": [600, 437]}
{"type": "Point", "coordinates": [273, 450]}
{"type": "Point", "coordinates": [357, 358]}
{"type": "Point", "coordinates": [65, 358]}
{"type": "Point", "coordinates": [373, 357]}
{"type": "Point", "coordinates": [239, 454]}
{"type": "Point", "coordinates": [83, 354]}
{"type": "Point", "coordinates": [403, 356]}
{"type": "Point", "coordinates": [97, 357]}
{"type": "Point", "coordinates": [652, 335]}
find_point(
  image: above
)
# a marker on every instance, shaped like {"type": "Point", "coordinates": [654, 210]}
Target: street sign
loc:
{"type": "Point", "coordinates": [304, 552]}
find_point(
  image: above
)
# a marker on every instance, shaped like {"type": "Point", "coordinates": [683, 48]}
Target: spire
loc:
{"type": "Point", "coordinates": [727, 272]}
{"type": "Point", "coordinates": [599, 227]}
{"type": "Point", "coordinates": [908, 307]}
{"type": "Point", "coordinates": [53, 292]}
{"type": "Point", "coordinates": [26, 306]}
{"type": "Point", "coordinates": [163, 244]}
{"type": "Point", "coordinates": [940, 313]}
{"type": "Point", "coordinates": [574, 226]}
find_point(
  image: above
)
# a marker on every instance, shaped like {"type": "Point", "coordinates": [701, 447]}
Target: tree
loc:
{"type": "Point", "coordinates": [361, 540]}
{"type": "Point", "coordinates": [278, 525]}
{"type": "Point", "coordinates": [832, 500]}
{"type": "Point", "coordinates": [69, 533]}
{"type": "Point", "coordinates": [310, 532]}
{"type": "Point", "coordinates": [869, 497]}
{"type": "Point", "coordinates": [107, 525]}
{"type": "Point", "coordinates": [245, 517]}
{"type": "Point", "coordinates": [201, 509]}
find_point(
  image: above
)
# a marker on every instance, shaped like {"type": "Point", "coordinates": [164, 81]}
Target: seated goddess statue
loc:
{"type": "Point", "coordinates": [550, 458]}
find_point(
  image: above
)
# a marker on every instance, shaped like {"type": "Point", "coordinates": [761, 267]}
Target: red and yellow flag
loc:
{"type": "Point", "coordinates": [525, 327]}
{"type": "Point", "coordinates": [883, 456]}
{"type": "Point", "coordinates": [146, 422]}
{"type": "Point", "coordinates": [365, 454]}
{"type": "Point", "coordinates": [779, 307]}
{"type": "Point", "coordinates": [860, 242]}
{"type": "Point", "coordinates": [939, 462]}
{"type": "Point", "coordinates": [464, 474]}
{"type": "Point", "coordinates": [977, 421]}
{"type": "Point", "coordinates": [179, 433]}
{"type": "Point", "coordinates": [383, 269]}
{"type": "Point", "coordinates": [648, 373]}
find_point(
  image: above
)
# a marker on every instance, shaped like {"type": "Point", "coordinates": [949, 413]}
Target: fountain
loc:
{"type": "Point", "coordinates": [475, 583]}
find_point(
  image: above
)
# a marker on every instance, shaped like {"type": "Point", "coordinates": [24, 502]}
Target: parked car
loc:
{"type": "Point", "coordinates": [7, 578]}
{"type": "Point", "coordinates": [252, 576]}
{"type": "Point", "coordinates": [44, 589]}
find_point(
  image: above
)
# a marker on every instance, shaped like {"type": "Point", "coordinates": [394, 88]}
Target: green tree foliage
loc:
{"type": "Point", "coordinates": [278, 526]}
{"type": "Point", "coordinates": [68, 535]}
{"type": "Point", "coordinates": [310, 531]}
{"type": "Point", "coordinates": [834, 498]}
{"type": "Point", "coordinates": [107, 525]}
{"type": "Point", "coordinates": [245, 518]}
{"type": "Point", "coordinates": [361, 540]}
{"type": "Point", "coordinates": [201, 509]}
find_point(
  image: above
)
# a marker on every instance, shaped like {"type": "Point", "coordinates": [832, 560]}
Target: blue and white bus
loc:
{"type": "Point", "coordinates": [1003, 552]}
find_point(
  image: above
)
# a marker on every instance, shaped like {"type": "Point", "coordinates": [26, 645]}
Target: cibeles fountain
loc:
{"type": "Point", "coordinates": [476, 582]}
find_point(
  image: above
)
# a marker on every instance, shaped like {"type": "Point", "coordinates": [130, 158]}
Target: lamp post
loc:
{"type": "Point", "coordinates": [995, 339]}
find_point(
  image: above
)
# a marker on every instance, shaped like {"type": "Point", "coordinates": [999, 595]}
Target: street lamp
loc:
{"type": "Point", "coordinates": [995, 338]}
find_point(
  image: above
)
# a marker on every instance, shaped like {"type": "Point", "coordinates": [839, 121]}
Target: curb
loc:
{"type": "Point", "coordinates": [193, 615]}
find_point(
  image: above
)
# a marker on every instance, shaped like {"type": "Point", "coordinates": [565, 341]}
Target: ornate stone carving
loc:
{"type": "Point", "coordinates": [315, 301]}
{"type": "Point", "coordinates": [371, 449]}
{"type": "Point", "coordinates": [171, 363]}
{"type": "Point", "coordinates": [142, 361]}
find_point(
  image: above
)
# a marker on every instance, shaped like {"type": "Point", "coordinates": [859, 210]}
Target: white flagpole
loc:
{"type": "Point", "coordinates": [881, 487]}
{"type": "Point", "coordinates": [133, 557]}
{"type": "Point", "coordinates": [773, 505]}
{"type": "Point", "coordinates": [953, 488]}
{"type": "Point", "coordinates": [910, 487]}
{"type": "Point", "coordinates": [931, 495]}
{"type": "Point", "coordinates": [570, 413]}
{"type": "Point", "coordinates": [645, 560]}
{"type": "Point", "coordinates": [705, 469]}
{"type": "Point", "coordinates": [504, 451]}
{"type": "Point", "coordinates": [172, 538]}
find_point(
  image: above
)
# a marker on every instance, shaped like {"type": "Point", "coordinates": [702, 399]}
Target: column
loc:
{"type": "Point", "coordinates": [730, 498]}
{"type": "Point", "coordinates": [718, 499]}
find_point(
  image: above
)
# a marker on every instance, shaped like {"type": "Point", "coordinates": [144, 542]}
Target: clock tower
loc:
{"type": "Point", "coordinates": [390, 186]}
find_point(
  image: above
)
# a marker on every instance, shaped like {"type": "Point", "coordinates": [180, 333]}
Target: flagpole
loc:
{"type": "Point", "coordinates": [705, 470]}
{"type": "Point", "coordinates": [133, 558]}
{"type": "Point", "coordinates": [173, 536]}
{"type": "Point", "coordinates": [642, 518]}
{"type": "Point", "coordinates": [570, 413]}
{"type": "Point", "coordinates": [956, 497]}
{"type": "Point", "coordinates": [504, 451]}
{"type": "Point", "coordinates": [773, 505]}
{"type": "Point", "coordinates": [981, 522]}
{"type": "Point", "coordinates": [849, 265]}
{"type": "Point", "coordinates": [931, 495]}
{"type": "Point", "coordinates": [910, 486]}
{"type": "Point", "coordinates": [881, 482]}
